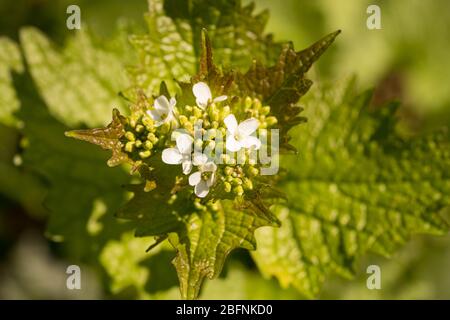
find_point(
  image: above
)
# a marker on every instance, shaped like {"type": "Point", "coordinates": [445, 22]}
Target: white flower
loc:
{"type": "Point", "coordinates": [180, 154]}
{"type": "Point", "coordinates": [239, 136]}
{"type": "Point", "coordinates": [203, 179]}
{"type": "Point", "coordinates": [203, 95]}
{"type": "Point", "coordinates": [163, 110]}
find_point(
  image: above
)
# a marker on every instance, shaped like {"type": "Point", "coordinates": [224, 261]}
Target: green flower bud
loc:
{"type": "Point", "coordinates": [130, 136]}
{"type": "Point", "coordinates": [148, 145]}
{"type": "Point", "coordinates": [214, 115]}
{"type": "Point", "coordinates": [228, 171]}
{"type": "Point", "coordinates": [189, 126]}
{"type": "Point", "coordinates": [165, 128]}
{"type": "Point", "coordinates": [265, 110]}
{"type": "Point", "coordinates": [225, 111]}
{"type": "Point", "coordinates": [149, 185]}
{"type": "Point", "coordinates": [227, 186]}
{"type": "Point", "coordinates": [192, 119]}
{"type": "Point", "coordinates": [237, 181]}
{"type": "Point", "coordinates": [183, 119]}
{"type": "Point", "coordinates": [248, 102]}
{"type": "Point", "coordinates": [152, 138]}
{"type": "Point", "coordinates": [238, 190]}
{"type": "Point", "coordinates": [139, 128]}
{"type": "Point", "coordinates": [248, 184]}
{"type": "Point", "coordinates": [145, 154]}
{"type": "Point", "coordinates": [271, 121]}
{"type": "Point", "coordinates": [253, 171]}
{"type": "Point", "coordinates": [257, 104]}
{"type": "Point", "coordinates": [198, 113]}
{"type": "Point", "coordinates": [138, 143]}
{"type": "Point", "coordinates": [129, 146]}
{"type": "Point", "coordinates": [148, 123]}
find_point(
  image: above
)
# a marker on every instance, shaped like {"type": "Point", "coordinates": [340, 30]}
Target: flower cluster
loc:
{"type": "Point", "coordinates": [213, 148]}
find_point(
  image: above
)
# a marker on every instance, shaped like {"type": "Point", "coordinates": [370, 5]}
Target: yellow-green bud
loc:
{"type": "Point", "coordinates": [138, 143]}
{"type": "Point", "coordinates": [129, 146]}
{"type": "Point", "coordinates": [183, 119]}
{"type": "Point", "coordinates": [248, 184]}
{"type": "Point", "coordinates": [148, 145]}
{"type": "Point", "coordinates": [225, 111]}
{"type": "Point", "coordinates": [148, 123]}
{"type": "Point", "coordinates": [198, 113]}
{"type": "Point", "coordinates": [149, 185]}
{"type": "Point", "coordinates": [237, 181]}
{"type": "Point", "coordinates": [228, 171]}
{"type": "Point", "coordinates": [253, 171]}
{"type": "Point", "coordinates": [139, 128]}
{"type": "Point", "coordinates": [248, 102]}
{"type": "Point", "coordinates": [153, 139]}
{"type": "Point", "coordinates": [165, 128]}
{"type": "Point", "coordinates": [271, 121]}
{"type": "Point", "coordinates": [214, 115]}
{"type": "Point", "coordinates": [130, 136]}
{"type": "Point", "coordinates": [239, 190]}
{"type": "Point", "coordinates": [227, 186]}
{"type": "Point", "coordinates": [265, 110]}
{"type": "Point", "coordinates": [145, 154]}
{"type": "Point", "coordinates": [257, 104]}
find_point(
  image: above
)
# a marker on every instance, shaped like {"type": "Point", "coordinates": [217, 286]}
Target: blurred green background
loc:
{"type": "Point", "coordinates": [406, 60]}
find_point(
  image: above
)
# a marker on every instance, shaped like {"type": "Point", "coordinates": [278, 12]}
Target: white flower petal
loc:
{"type": "Point", "coordinates": [184, 143]}
{"type": "Point", "coordinates": [201, 189]}
{"type": "Point", "coordinates": [173, 102]}
{"type": "Point", "coordinates": [195, 178]}
{"type": "Point", "coordinates": [199, 159]}
{"type": "Point", "coordinates": [161, 103]}
{"type": "Point", "coordinates": [232, 144]}
{"type": "Point", "coordinates": [154, 114]}
{"type": "Point", "coordinates": [172, 156]}
{"type": "Point", "coordinates": [248, 126]}
{"type": "Point", "coordinates": [210, 180]}
{"type": "Point", "coordinates": [231, 123]}
{"type": "Point", "coordinates": [251, 141]}
{"type": "Point", "coordinates": [220, 98]}
{"type": "Point", "coordinates": [209, 167]}
{"type": "Point", "coordinates": [187, 166]}
{"type": "Point", "coordinates": [202, 93]}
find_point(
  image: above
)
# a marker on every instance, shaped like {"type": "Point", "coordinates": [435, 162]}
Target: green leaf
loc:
{"type": "Point", "coordinates": [282, 85]}
{"type": "Point", "coordinates": [107, 138]}
{"type": "Point", "coordinates": [357, 186]}
{"type": "Point", "coordinates": [208, 238]}
{"type": "Point", "coordinates": [241, 283]}
{"type": "Point", "coordinates": [80, 82]}
{"type": "Point", "coordinates": [170, 50]}
{"type": "Point", "coordinates": [136, 273]}
{"type": "Point", "coordinates": [202, 235]}
{"type": "Point", "coordinates": [83, 193]}
{"type": "Point", "coordinates": [10, 60]}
